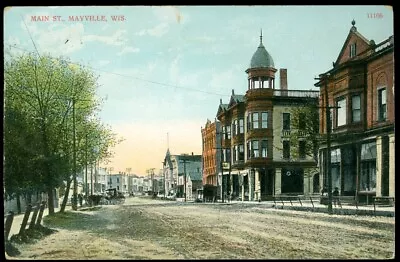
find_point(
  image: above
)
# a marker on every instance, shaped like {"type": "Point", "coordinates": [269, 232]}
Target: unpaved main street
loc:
{"type": "Point", "coordinates": [155, 229]}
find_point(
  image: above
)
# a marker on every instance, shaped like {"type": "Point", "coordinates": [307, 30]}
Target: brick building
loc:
{"type": "Point", "coordinates": [361, 86]}
{"type": "Point", "coordinates": [255, 136]}
{"type": "Point", "coordinates": [211, 152]}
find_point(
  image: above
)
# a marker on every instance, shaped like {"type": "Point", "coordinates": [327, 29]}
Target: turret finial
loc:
{"type": "Point", "coordinates": [261, 37]}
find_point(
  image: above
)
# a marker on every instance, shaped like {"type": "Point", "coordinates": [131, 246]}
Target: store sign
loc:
{"type": "Point", "coordinates": [225, 165]}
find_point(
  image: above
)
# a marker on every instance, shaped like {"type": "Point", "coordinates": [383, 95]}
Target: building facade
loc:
{"type": "Point", "coordinates": [119, 181]}
{"type": "Point", "coordinates": [211, 152]}
{"type": "Point", "coordinates": [255, 136]}
{"type": "Point", "coordinates": [177, 168]}
{"type": "Point", "coordinates": [360, 87]}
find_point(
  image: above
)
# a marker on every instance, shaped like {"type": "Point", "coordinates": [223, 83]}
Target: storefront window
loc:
{"type": "Point", "coordinates": [368, 167]}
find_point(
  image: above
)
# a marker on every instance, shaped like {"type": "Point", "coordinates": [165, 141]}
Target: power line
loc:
{"type": "Point", "coordinates": [33, 42]}
{"type": "Point", "coordinates": [127, 76]}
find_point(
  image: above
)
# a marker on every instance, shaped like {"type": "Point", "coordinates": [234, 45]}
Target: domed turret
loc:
{"type": "Point", "coordinates": [261, 58]}
{"type": "Point", "coordinates": [261, 73]}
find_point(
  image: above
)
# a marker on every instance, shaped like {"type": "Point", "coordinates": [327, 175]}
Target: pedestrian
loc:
{"type": "Point", "coordinates": [335, 195]}
{"type": "Point", "coordinates": [80, 198]}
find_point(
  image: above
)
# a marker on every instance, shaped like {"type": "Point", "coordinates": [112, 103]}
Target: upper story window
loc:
{"type": "Point", "coordinates": [382, 104]}
{"type": "Point", "coordinates": [353, 51]}
{"type": "Point", "coordinates": [356, 108]}
{"type": "Point", "coordinates": [117, 179]}
{"type": "Point", "coordinates": [264, 148]}
{"type": "Point", "coordinates": [286, 121]}
{"type": "Point", "coordinates": [228, 132]}
{"type": "Point", "coordinates": [227, 155]}
{"type": "Point", "coordinates": [255, 120]}
{"type": "Point", "coordinates": [264, 120]}
{"type": "Point", "coordinates": [241, 152]}
{"type": "Point", "coordinates": [341, 111]}
{"type": "Point", "coordinates": [248, 121]}
{"type": "Point", "coordinates": [302, 121]}
{"type": "Point", "coordinates": [286, 149]}
{"type": "Point", "coordinates": [302, 149]}
{"type": "Point", "coordinates": [235, 154]}
{"type": "Point", "coordinates": [254, 149]}
{"type": "Point", "coordinates": [241, 125]}
{"type": "Point", "coordinates": [234, 127]}
{"type": "Point", "coordinates": [248, 149]}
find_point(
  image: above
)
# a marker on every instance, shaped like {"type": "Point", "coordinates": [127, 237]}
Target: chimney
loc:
{"type": "Point", "coordinates": [220, 101]}
{"type": "Point", "coordinates": [283, 79]}
{"type": "Point", "coordinates": [233, 92]}
{"type": "Point", "coordinates": [192, 153]}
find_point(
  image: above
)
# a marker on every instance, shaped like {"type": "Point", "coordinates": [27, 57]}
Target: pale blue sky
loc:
{"type": "Point", "coordinates": [201, 50]}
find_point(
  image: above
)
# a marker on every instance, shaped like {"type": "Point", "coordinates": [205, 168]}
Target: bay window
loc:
{"type": "Point", "coordinates": [255, 120]}
{"type": "Point", "coordinates": [356, 108]}
{"type": "Point", "coordinates": [241, 126]}
{"type": "Point", "coordinates": [264, 120]}
{"type": "Point", "coordinates": [241, 152]}
{"type": "Point", "coordinates": [264, 148]}
{"type": "Point", "coordinates": [341, 111]}
{"type": "Point", "coordinates": [382, 104]}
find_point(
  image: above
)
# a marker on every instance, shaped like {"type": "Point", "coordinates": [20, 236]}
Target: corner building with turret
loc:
{"type": "Point", "coordinates": [256, 151]}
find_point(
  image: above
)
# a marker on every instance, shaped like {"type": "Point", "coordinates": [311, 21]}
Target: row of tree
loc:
{"type": "Point", "coordinates": [51, 127]}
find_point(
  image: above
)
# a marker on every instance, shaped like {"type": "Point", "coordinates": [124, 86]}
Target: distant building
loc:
{"type": "Point", "coordinates": [211, 152]}
{"type": "Point", "coordinates": [176, 168]}
{"type": "Point", "coordinates": [193, 184]}
{"type": "Point", "coordinates": [119, 181]}
{"type": "Point", "coordinates": [361, 85]}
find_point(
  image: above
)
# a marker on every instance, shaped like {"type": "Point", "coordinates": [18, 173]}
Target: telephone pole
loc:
{"type": "Point", "coordinates": [184, 161]}
{"type": "Point", "coordinates": [164, 187]}
{"type": "Point", "coordinates": [328, 108]}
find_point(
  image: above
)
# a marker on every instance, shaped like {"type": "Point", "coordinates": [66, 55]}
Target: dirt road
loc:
{"type": "Point", "coordinates": [155, 229]}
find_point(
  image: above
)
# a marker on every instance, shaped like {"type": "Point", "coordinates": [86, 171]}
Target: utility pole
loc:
{"type": "Point", "coordinates": [152, 180]}
{"type": "Point", "coordinates": [184, 160]}
{"type": "Point", "coordinates": [163, 168]}
{"type": "Point", "coordinates": [221, 167]}
{"type": "Point", "coordinates": [328, 147]}
{"type": "Point", "coordinates": [328, 170]}
{"type": "Point", "coordinates": [129, 186]}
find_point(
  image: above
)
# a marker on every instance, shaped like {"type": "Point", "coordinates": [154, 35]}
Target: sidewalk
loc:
{"type": "Point", "coordinates": [306, 205]}
{"type": "Point", "coordinates": [17, 221]}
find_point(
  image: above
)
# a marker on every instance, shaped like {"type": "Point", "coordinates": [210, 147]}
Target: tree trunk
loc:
{"type": "Point", "coordinates": [65, 200]}
{"type": "Point", "coordinates": [19, 203]}
{"type": "Point", "coordinates": [50, 193]}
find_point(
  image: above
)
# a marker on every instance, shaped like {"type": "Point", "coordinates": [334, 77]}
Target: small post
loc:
{"type": "Point", "coordinates": [39, 220]}
{"type": "Point", "coordinates": [34, 216]}
{"type": "Point", "coordinates": [25, 219]}
{"type": "Point", "coordinates": [7, 226]}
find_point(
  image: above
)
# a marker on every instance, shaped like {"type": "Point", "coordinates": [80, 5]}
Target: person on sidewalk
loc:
{"type": "Point", "coordinates": [80, 198]}
{"type": "Point", "coordinates": [335, 196]}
